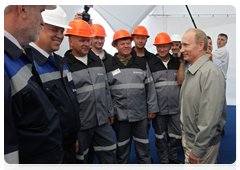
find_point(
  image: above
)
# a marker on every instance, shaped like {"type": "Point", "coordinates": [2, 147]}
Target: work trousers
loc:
{"type": "Point", "coordinates": [171, 125]}
{"type": "Point", "coordinates": [211, 156]}
{"type": "Point", "coordinates": [103, 142]}
{"type": "Point", "coordinates": [125, 132]}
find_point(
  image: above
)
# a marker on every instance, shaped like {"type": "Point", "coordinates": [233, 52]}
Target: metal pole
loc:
{"type": "Point", "coordinates": [191, 16]}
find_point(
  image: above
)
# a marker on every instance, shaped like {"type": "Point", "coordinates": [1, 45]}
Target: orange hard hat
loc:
{"type": "Point", "coordinates": [121, 34]}
{"type": "Point", "coordinates": [79, 28]}
{"type": "Point", "coordinates": [140, 30]}
{"type": "Point", "coordinates": [98, 30]}
{"type": "Point", "coordinates": [162, 38]}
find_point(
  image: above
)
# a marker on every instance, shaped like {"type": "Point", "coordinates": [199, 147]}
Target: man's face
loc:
{"type": "Point", "coordinates": [221, 41]}
{"type": "Point", "coordinates": [50, 38]}
{"type": "Point", "coordinates": [189, 48]}
{"type": "Point", "coordinates": [124, 47]}
{"type": "Point", "coordinates": [97, 42]}
{"type": "Point", "coordinates": [140, 41]}
{"type": "Point", "coordinates": [163, 50]}
{"type": "Point", "coordinates": [210, 44]}
{"type": "Point", "coordinates": [175, 47]}
{"type": "Point", "coordinates": [34, 22]}
{"type": "Point", "coordinates": [80, 45]}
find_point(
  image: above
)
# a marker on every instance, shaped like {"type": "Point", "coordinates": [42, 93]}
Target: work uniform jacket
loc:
{"type": "Point", "coordinates": [165, 80]}
{"type": "Point", "coordinates": [147, 55]}
{"type": "Point", "coordinates": [32, 132]}
{"type": "Point", "coordinates": [57, 83]}
{"type": "Point", "coordinates": [132, 88]}
{"type": "Point", "coordinates": [92, 90]}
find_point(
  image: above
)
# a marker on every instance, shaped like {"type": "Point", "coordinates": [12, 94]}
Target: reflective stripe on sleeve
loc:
{"type": "Point", "coordinates": [149, 80]}
{"type": "Point", "coordinates": [174, 136]}
{"type": "Point", "coordinates": [12, 158]}
{"type": "Point", "coordinates": [105, 148]}
{"type": "Point", "coordinates": [127, 86]}
{"type": "Point", "coordinates": [81, 157]}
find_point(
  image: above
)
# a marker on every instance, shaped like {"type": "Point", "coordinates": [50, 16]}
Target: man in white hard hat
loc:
{"type": "Point", "coordinates": [32, 133]}
{"type": "Point", "coordinates": [55, 78]}
{"type": "Point", "coordinates": [176, 45]}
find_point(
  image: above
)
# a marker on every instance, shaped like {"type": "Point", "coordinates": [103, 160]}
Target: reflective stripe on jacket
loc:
{"type": "Point", "coordinates": [165, 81]}
{"type": "Point", "coordinates": [92, 90]}
{"type": "Point", "coordinates": [132, 89]}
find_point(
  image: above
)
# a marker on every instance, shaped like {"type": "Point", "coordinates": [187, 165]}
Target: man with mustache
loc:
{"type": "Point", "coordinates": [32, 133]}
{"type": "Point", "coordinates": [55, 78]}
{"type": "Point", "coordinates": [93, 95]}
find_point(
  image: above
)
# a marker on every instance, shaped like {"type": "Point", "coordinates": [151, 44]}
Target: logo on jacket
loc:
{"type": "Point", "coordinates": [100, 74]}
{"type": "Point", "coordinates": [137, 72]}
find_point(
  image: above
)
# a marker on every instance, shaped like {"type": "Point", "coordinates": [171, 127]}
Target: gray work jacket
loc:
{"type": "Point", "coordinates": [92, 90]}
{"type": "Point", "coordinates": [203, 105]}
{"type": "Point", "coordinates": [132, 89]}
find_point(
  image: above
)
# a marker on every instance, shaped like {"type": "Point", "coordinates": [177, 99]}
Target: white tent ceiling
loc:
{"type": "Point", "coordinates": [172, 19]}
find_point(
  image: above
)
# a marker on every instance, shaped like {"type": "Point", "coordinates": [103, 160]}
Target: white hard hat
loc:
{"type": "Point", "coordinates": [176, 37]}
{"type": "Point", "coordinates": [56, 17]}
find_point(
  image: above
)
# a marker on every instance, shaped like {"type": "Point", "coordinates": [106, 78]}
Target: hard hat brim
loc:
{"type": "Point", "coordinates": [79, 35]}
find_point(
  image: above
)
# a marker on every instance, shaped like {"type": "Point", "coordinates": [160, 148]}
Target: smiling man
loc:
{"type": "Point", "coordinates": [168, 75]}
{"type": "Point", "coordinates": [134, 99]}
{"type": "Point", "coordinates": [93, 94]}
{"type": "Point", "coordinates": [202, 102]}
{"type": "Point", "coordinates": [55, 79]}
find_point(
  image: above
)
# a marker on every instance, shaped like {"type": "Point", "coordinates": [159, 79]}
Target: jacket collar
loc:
{"type": "Point", "coordinates": [196, 66]}
{"type": "Point", "coordinates": [11, 49]}
{"type": "Point", "coordinates": [156, 59]}
{"type": "Point", "coordinates": [72, 59]}
{"type": "Point", "coordinates": [146, 53]}
{"type": "Point", "coordinates": [133, 60]}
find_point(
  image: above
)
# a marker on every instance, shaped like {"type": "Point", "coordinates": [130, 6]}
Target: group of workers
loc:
{"type": "Point", "coordinates": [62, 109]}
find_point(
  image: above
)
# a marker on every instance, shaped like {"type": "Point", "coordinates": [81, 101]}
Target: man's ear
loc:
{"type": "Point", "coordinates": [201, 45]}
{"type": "Point", "coordinates": [22, 10]}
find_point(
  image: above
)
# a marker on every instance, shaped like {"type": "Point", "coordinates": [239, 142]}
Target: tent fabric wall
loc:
{"type": "Point", "coordinates": [171, 19]}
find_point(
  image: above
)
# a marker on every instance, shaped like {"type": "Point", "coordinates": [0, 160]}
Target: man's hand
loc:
{"type": "Point", "coordinates": [76, 146]}
{"type": "Point", "coordinates": [209, 54]}
{"type": "Point", "coordinates": [78, 16]}
{"type": "Point", "coordinates": [111, 120]}
{"type": "Point", "coordinates": [152, 115]}
{"type": "Point", "coordinates": [193, 159]}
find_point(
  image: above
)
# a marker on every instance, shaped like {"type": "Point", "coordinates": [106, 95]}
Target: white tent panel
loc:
{"type": "Point", "coordinates": [123, 16]}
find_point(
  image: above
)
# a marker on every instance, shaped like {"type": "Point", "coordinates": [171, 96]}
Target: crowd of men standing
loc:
{"type": "Point", "coordinates": [62, 109]}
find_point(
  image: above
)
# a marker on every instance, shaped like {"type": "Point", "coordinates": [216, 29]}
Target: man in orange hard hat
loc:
{"type": "Point", "coordinates": [134, 99]}
{"type": "Point", "coordinates": [168, 75]}
{"type": "Point", "coordinates": [97, 44]}
{"type": "Point", "coordinates": [140, 35]}
{"type": "Point", "coordinates": [98, 41]}
{"type": "Point", "coordinates": [89, 77]}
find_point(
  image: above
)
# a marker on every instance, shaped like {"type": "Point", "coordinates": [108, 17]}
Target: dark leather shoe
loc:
{"type": "Point", "coordinates": [166, 166]}
{"type": "Point", "coordinates": [176, 161]}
